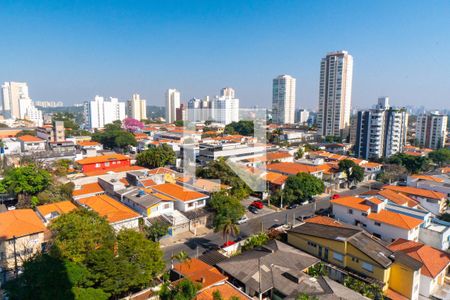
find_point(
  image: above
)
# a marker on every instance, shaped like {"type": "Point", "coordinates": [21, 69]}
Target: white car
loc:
{"type": "Point", "coordinates": [242, 220]}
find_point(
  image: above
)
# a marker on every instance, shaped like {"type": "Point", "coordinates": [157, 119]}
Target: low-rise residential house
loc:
{"type": "Point", "coordinates": [350, 251]}
{"type": "Point", "coordinates": [437, 183]}
{"type": "Point", "coordinates": [436, 234]}
{"type": "Point", "coordinates": [145, 202]}
{"type": "Point", "coordinates": [435, 202]}
{"type": "Point", "coordinates": [144, 178]}
{"type": "Point", "coordinates": [269, 157]}
{"type": "Point", "coordinates": [29, 143]}
{"type": "Point", "coordinates": [435, 269]}
{"type": "Point", "coordinates": [52, 133]}
{"type": "Point", "coordinates": [89, 145]}
{"type": "Point", "coordinates": [233, 151]}
{"type": "Point", "coordinates": [10, 146]}
{"type": "Point", "coordinates": [185, 199]}
{"type": "Point", "coordinates": [51, 211]}
{"type": "Point", "coordinates": [295, 168]}
{"type": "Point", "coordinates": [208, 278]}
{"type": "Point", "coordinates": [21, 237]}
{"type": "Point", "coordinates": [117, 214]}
{"type": "Point", "coordinates": [87, 190]}
{"type": "Point", "coordinates": [207, 186]}
{"type": "Point", "coordinates": [371, 214]}
{"type": "Point", "coordinates": [64, 147]}
{"type": "Point", "coordinates": [275, 270]}
{"type": "Point", "coordinates": [104, 162]}
{"type": "Point", "coordinates": [397, 198]}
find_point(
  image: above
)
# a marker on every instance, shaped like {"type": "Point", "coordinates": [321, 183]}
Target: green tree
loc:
{"type": "Point", "coordinates": [156, 157]}
{"type": "Point", "coordinates": [79, 233]}
{"type": "Point", "coordinates": [61, 166]}
{"type": "Point", "coordinates": [184, 290]}
{"type": "Point", "coordinates": [391, 173]}
{"type": "Point", "coordinates": [179, 123]}
{"type": "Point", "coordinates": [217, 295]}
{"type": "Point", "coordinates": [156, 230]}
{"type": "Point", "coordinates": [255, 240]}
{"type": "Point", "coordinates": [226, 207]}
{"type": "Point", "coordinates": [353, 172]}
{"type": "Point", "coordinates": [317, 270]}
{"type": "Point", "coordinates": [304, 296]}
{"type": "Point", "coordinates": [26, 132]}
{"type": "Point", "coordinates": [25, 182]}
{"type": "Point", "coordinates": [414, 164]}
{"type": "Point", "coordinates": [114, 136]}
{"type": "Point", "coordinates": [299, 188]}
{"type": "Point", "coordinates": [242, 127]}
{"type": "Point", "coordinates": [218, 169]}
{"type": "Point", "coordinates": [181, 257]}
{"type": "Point", "coordinates": [441, 157]}
{"type": "Point", "coordinates": [299, 154]}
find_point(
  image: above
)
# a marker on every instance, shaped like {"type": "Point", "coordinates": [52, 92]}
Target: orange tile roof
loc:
{"type": "Point", "coordinates": [178, 192]}
{"type": "Point", "coordinates": [395, 219]}
{"type": "Point", "coordinates": [293, 168]}
{"type": "Point", "coordinates": [59, 207]}
{"type": "Point", "coordinates": [427, 177]}
{"type": "Point", "coordinates": [209, 185]}
{"type": "Point", "coordinates": [275, 178]}
{"type": "Point", "coordinates": [148, 182]}
{"type": "Point", "coordinates": [18, 223]}
{"type": "Point", "coordinates": [413, 153]}
{"type": "Point", "coordinates": [445, 170]}
{"type": "Point", "coordinates": [198, 271]}
{"type": "Point", "coordinates": [29, 138]}
{"type": "Point", "coordinates": [270, 157]}
{"type": "Point", "coordinates": [415, 191]}
{"type": "Point", "coordinates": [106, 206]}
{"type": "Point", "coordinates": [9, 133]}
{"type": "Point", "coordinates": [393, 295]}
{"type": "Point", "coordinates": [226, 290]}
{"type": "Point", "coordinates": [371, 165]}
{"type": "Point", "coordinates": [102, 158]}
{"type": "Point", "coordinates": [114, 170]}
{"type": "Point", "coordinates": [88, 143]}
{"type": "Point", "coordinates": [161, 170]}
{"type": "Point", "coordinates": [124, 181]}
{"type": "Point", "coordinates": [87, 189]}
{"type": "Point", "coordinates": [434, 260]}
{"type": "Point", "coordinates": [352, 202]}
{"type": "Point", "coordinates": [324, 221]}
{"type": "Point", "coordinates": [398, 198]}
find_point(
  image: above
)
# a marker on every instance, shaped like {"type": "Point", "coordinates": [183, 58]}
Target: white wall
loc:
{"type": "Point", "coordinates": [127, 224]}
{"type": "Point", "coordinates": [184, 206]}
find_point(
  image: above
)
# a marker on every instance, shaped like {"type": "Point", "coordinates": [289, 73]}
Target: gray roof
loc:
{"type": "Point", "coordinates": [245, 267]}
{"type": "Point", "coordinates": [366, 243]}
{"type": "Point", "coordinates": [146, 200]}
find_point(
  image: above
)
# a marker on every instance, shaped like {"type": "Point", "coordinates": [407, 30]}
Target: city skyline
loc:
{"type": "Point", "coordinates": [138, 50]}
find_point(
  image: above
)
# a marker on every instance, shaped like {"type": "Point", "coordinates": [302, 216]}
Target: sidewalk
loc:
{"type": "Point", "coordinates": [183, 237]}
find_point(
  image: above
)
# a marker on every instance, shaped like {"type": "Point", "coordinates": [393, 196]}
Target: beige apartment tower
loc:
{"type": "Point", "coordinates": [137, 108]}
{"type": "Point", "coordinates": [335, 93]}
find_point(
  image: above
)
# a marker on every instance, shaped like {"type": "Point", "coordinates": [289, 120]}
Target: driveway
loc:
{"type": "Point", "coordinates": [261, 212]}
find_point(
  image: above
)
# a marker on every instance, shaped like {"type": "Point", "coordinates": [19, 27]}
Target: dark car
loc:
{"type": "Point", "coordinates": [354, 187]}
{"type": "Point", "coordinates": [292, 206]}
{"type": "Point", "coordinates": [274, 226]}
{"type": "Point", "coordinates": [253, 209]}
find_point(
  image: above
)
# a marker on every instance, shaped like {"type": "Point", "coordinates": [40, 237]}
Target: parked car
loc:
{"type": "Point", "coordinates": [323, 212]}
{"type": "Point", "coordinates": [228, 243]}
{"type": "Point", "coordinates": [275, 226]}
{"type": "Point", "coordinates": [335, 196]}
{"type": "Point", "coordinates": [353, 187]}
{"type": "Point", "coordinates": [292, 206]}
{"type": "Point", "coordinates": [253, 209]}
{"type": "Point", "coordinates": [257, 204]}
{"type": "Point", "coordinates": [242, 220]}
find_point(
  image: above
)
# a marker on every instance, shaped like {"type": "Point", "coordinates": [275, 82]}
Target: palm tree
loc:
{"type": "Point", "coordinates": [229, 227]}
{"type": "Point", "coordinates": [181, 257]}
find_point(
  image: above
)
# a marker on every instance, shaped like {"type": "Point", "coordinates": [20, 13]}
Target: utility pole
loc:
{"type": "Point", "coordinates": [281, 204]}
{"type": "Point", "coordinates": [15, 257]}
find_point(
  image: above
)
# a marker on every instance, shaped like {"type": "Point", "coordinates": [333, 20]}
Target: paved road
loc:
{"type": "Point", "coordinates": [198, 245]}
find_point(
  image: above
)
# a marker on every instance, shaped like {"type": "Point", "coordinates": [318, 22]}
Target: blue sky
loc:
{"type": "Point", "coordinates": [73, 50]}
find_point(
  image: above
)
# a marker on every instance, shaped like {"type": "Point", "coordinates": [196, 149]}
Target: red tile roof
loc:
{"type": "Point", "coordinates": [102, 159]}
{"type": "Point", "coordinates": [88, 189]}
{"type": "Point", "coordinates": [18, 223]}
{"type": "Point", "coordinates": [434, 260]}
{"type": "Point", "coordinates": [324, 221]}
{"type": "Point", "coordinates": [294, 168]}
{"type": "Point", "coordinates": [178, 192]}
{"type": "Point", "coordinates": [415, 191]}
{"type": "Point", "coordinates": [29, 138]}
{"type": "Point", "coordinates": [106, 206]}
{"type": "Point", "coordinates": [200, 272]}
{"type": "Point", "coordinates": [395, 219]}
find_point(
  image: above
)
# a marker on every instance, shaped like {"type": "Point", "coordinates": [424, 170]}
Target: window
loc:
{"type": "Point", "coordinates": [312, 244]}
{"type": "Point", "coordinates": [354, 259]}
{"type": "Point", "coordinates": [377, 224]}
{"type": "Point", "coordinates": [97, 165]}
{"type": "Point", "coordinates": [350, 211]}
{"type": "Point", "coordinates": [166, 206]}
{"type": "Point", "coordinates": [337, 256]}
{"type": "Point", "coordinates": [364, 214]}
{"type": "Point", "coordinates": [367, 266]}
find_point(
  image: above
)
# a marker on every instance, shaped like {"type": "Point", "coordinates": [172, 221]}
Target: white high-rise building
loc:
{"type": "Point", "coordinates": [381, 132]}
{"type": "Point", "coordinates": [173, 101]}
{"type": "Point", "coordinates": [35, 115]}
{"type": "Point", "coordinates": [227, 92]}
{"type": "Point", "coordinates": [302, 116]}
{"type": "Point", "coordinates": [99, 112]}
{"type": "Point", "coordinates": [283, 100]}
{"type": "Point", "coordinates": [226, 110]}
{"type": "Point", "coordinates": [335, 93]}
{"type": "Point", "coordinates": [12, 92]}
{"type": "Point", "coordinates": [137, 107]}
{"type": "Point", "coordinates": [431, 130]}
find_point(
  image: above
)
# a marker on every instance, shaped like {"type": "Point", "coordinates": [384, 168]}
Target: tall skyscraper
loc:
{"type": "Point", "coordinates": [172, 103]}
{"type": "Point", "coordinates": [431, 130]}
{"type": "Point", "coordinates": [223, 109]}
{"type": "Point", "coordinates": [381, 132]}
{"type": "Point", "coordinates": [227, 92]}
{"type": "Point", "coordinates": [301, 116]}
{"type": "Point", "coordinates": [137, 107]}
{"type": "Point", "coordinates": [283, 100]}
{"type": "Point", "coordinates": [99, 112]}
{"type": "Point", "coordinates": [12, 92]}
{"type": "Point", "coordinates": [335, 93]}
